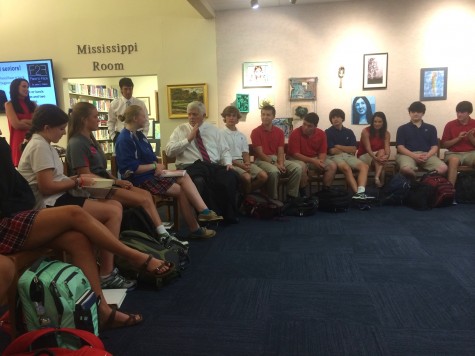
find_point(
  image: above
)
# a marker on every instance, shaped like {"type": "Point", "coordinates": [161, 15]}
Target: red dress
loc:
{"type": "Point", "coordinates": [376, 144]}
{"type": "Point", "coordinates": [17, 136]}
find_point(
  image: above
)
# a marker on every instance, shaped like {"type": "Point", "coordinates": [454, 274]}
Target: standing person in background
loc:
{"type": "Point", "coordinates": [459, 139]}
{"type": "Point", "coordinates": [118, 106]}
{"type": "Point", "coordinates": [374, 145]}
{"type": "Point", "coordinates": [252, 177]}
{"type": "Point", "coordinates": [19, 112]}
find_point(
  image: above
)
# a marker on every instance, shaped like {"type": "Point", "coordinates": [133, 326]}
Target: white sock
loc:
{"type": "Point", "coordinates": [360, 189]}
{"type": "Point", "coordinates": [161, 230]}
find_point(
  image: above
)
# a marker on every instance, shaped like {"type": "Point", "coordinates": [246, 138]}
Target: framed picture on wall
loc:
{"type": "Point", "coordinates": [242, 102]}
{"type": "Point", "coordinates": [375, 71]}
{"type": "Point", "coordinates": [151, 128]}
{"type": "Point", "coordinates": [303, 88]}
{"type": "Point", "coordinates": [146, 100]}
{"type": "Point", "coordinates": [257, 74]}
{"type": "Point", "coordinates": [179, 96]}
{"type": "Point", "coordinates": [433, 83]}
{"type": "Point", "coordinates": [362, 109]}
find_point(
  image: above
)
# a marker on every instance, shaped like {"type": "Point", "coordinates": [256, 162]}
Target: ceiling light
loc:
{"type": "Point", "coordinates": [254, 4]}
{"type": "Point", "coordinates": [293, 2]}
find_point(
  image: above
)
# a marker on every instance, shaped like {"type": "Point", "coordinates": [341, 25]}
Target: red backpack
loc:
{"type": "Point", "coordinates": [444, 190]}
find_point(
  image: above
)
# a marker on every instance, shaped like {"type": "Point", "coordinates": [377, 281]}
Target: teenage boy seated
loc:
{"type": "Point", "coordinates": [459, 139]}
{"type": "Point", "coordinates": [252, 177]}
{"type": "Point", "coordinates": [417, 144]}
{"type": "Point", "coordinates": [341, 150]}
{"type": "Point", "coordinates": [268, 142]}
{"type": "Point", "coordinates": [308, 147]}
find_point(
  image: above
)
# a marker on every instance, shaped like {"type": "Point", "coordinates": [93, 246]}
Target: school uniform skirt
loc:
{"type": "Point", "coordinates": [157, 185]}
{"type": "Point", "coordinates": [15, 229]}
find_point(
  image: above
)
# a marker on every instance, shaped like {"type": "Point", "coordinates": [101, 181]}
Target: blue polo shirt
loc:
{"type": "Point", "coordinates": [343, 137]}
{"type": "Point", "coordinates": [417, 138]}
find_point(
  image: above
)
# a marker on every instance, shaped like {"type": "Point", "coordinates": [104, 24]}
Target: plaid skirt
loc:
{"type": "Point", "coordinates": [15, 229]}
{"type": "Point", "coordinates": [157, 185]}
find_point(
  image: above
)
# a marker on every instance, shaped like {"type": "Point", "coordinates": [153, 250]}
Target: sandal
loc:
{"type": "Point", "coordinates": [112, 323]}
{"type": "Point", "coordinates": [156, 272]}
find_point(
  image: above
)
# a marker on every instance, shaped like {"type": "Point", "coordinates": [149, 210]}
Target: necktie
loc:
{"type": "Point", "coordinates": [202, 148]}
{"type": "Point", "coordinates": [127, 103]}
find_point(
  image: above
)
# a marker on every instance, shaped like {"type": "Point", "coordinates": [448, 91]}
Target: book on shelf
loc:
{"type": "Point", "coordinates": [173, 173]}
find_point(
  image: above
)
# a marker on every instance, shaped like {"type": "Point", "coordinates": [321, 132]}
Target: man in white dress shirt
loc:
{"type": "Point", "coordinates": [202, 150]}
{"type": "Point", "coordinates": [118, 106]}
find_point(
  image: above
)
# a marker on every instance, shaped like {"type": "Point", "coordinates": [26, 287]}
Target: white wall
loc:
{"type": "Point", "coordinates": [315, 40]}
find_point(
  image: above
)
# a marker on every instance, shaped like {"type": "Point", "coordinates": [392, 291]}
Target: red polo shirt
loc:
{"type": "Point", "coordinates": [310, 146]}
{"type": "Point", "coordinates": [270, 141]}
{"type": "Point", "coordinates": [453, 129]}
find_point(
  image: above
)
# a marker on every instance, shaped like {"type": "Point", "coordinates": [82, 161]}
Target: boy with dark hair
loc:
{"type": "Point", "coordinates": [119, 105]}
{"type": "Point", "coordinates": [341, 150]}
{"type": "Point", "coordinates": [417, 144]}
{"type": "Point", "coordinates": [308, 147]}
{"type": "Point", "coordinates": [459, 139]}
{"type": "Point", "coordinates": [268, 142]}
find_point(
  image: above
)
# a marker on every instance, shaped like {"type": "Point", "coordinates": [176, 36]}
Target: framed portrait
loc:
{"type": "Point", "coordinates": [375, 71]}
{"type": "Point", "coordinates": [362, 109]}
{"type": "Point", "coordinates": [146, 100]}
{"type": "Point", "coordinates": [257, 74]}
{"type": "Point", "coordinates": [299, 109]}
{"type": "Point", "coordinates": [434, 83]}
{"type": "Point", "coordinates": [151, 128]}
{"type": "Point", "coordinates": [303, 88]}
{"type": "Point", "coordinates": [242, 102]}
{"type": "Point", "coordinates": [179, 96]}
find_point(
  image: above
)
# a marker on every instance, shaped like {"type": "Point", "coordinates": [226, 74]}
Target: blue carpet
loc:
{"type": "Point", "coordinates": [389, 281]}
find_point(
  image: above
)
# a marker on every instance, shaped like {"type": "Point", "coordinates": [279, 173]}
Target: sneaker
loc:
{"type": "Point", "coordinates": [362, 197]}
{"type": "Point", "coordinates": [116, 281]}
{"type": "Point", "coordinates": [166, 238]}
{"type": "Point", "coordinates": [210, 216]}
{"type": "Point", "coordinates": [202, 233]}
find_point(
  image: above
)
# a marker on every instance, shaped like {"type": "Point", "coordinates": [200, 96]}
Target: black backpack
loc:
{"type": "Point", "coordinates": [260, 206]}
{"type": "Point", "coordinates": [465, 188]}
{"type": "Point", "coordinates": [301, 206]}
{"type": "Point", "coordinates": [395, 192]}
{"type": "Point", "coordinates": [333, 200]}
{"type": "Point", "coordinates": [420, 196]}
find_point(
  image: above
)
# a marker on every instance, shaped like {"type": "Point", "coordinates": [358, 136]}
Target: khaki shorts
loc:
{"type": "Point", "coordinates": [255, 170]}
{"type": "Point", "coordinates": [311, 166]}
{"type": "Point", "coordinates": [366, 158]}
{"type": "Point", "coordinates": [405, 161]}
{"type": "Point", "coordinates": [466, 158]}
{"type": "Point", "coordinates": [351, 160]}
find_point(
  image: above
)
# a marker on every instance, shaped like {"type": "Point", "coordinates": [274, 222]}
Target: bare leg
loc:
{"type": "Point", "coordinates": [108, 212]}
{"type": "Point", "coordinates": [346, 170]}
{"type": "Point", "coordinates": [363, 174]}
{"type": "Point", "coordinates": [453, 163]}
{"type": "Point", "coordinates": [378, 167]}
{"type": "Point", "coordinates": [259, 181]}
{"type": "Point", "coordinates": [185, 207]}
{"type": "Point", "coordinates": [138, 197]}
{"type": "Point", "coordinates": [329, 174]}
{"type": "Point", "coordinates": [7, 272]}
{"type": "Point", "coordinates": [194, 197]}
{"type": "Point", "coordinates": [245, 179]}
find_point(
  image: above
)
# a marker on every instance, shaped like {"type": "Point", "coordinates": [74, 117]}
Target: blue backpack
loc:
{"type": "Point", "coordinates": [396, 190]}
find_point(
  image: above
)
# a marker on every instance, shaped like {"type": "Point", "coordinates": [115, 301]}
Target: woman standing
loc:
{"type": "Point", "coordinates": [137, 162]}
{"type": "Point", "coordinates": [19, 112]}
{"type": "Point", "coordinates": [374, 145]}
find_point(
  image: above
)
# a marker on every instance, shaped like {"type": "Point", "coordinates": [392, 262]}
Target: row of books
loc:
{"type": "Point", "coordinates": [107, 147]}
{"type": "Point", "coordinates": [94, 90]}
{"type": "Point", "coordinates": [101, 134]}
{"type": "Point", "coordinates": [101, 105]}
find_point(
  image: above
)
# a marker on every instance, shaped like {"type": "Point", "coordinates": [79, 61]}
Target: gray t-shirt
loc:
{"type": "Point", "coordinates": [83, 152]}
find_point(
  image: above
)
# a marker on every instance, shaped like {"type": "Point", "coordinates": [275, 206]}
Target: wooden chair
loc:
{"type": "Point", "coordinates": [22, 260]}
{"type": "Point", "coordinates": [159, 200]}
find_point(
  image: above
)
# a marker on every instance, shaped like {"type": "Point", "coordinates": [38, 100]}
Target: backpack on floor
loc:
{"type": "Point", "coordinates": [137, 219]}
{"type": "Point", "coordinates": [57, 294]}
{"type": "Point", "coordinates": [261, 207]}
{"type": "Point", "coordinates": [333, 199]}
{"type": "Point", "coordinates": [420, 196]}
{"type": "Point", "coordinates": [444, 190]}
{"type": "Point", "coordinates": [301, 206]}
{"type": "Point", "coordinates": [396, 190]}
{"type": "Point", "coordinates": [45, 342]}
{"type": "Point", "coordinates": [147, 244]}
{"type": "Point", "coordinates": [465, 188]}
